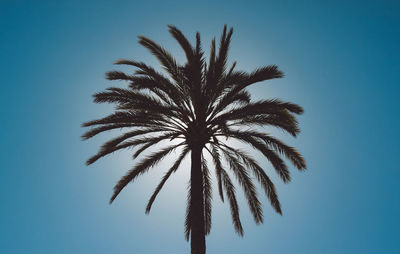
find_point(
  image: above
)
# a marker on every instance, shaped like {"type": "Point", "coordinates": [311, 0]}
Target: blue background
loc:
{"type": "Point", "coordinates": [341, 60]}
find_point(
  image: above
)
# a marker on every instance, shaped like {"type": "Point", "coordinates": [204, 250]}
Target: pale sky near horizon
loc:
{"type": "Point", "coordinates": [341, 63]}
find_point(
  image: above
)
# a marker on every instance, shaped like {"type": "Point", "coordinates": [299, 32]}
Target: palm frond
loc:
{"type": "Point", "coordinates": [210, 73]}
{"type": "Point", "coordinates": [283, 121]}
{"type": "Point", "coordinates": [265, 108]}
{"type": "Point", "coordinates": [165, 58]}
{"type": "Point", "coordinates": [172, 170]}
{"type": "Point", "coordinates": [220, 62]}
{"type": "Point", "coordinates": [278, 164]}
{"type": "Point", "coordinates": [245, 80]}
{"type": "Point", "coordinates": [118, 75]}
{"type": "Point", "coordinates": [289, 152]}
{"type": "Point", "coordinates": [262, 74]}
{"type": "Point", "coordinates": [231, 69]}
{"type": "Point", "coordinates": [115, 141]}
{"type": "Point", "coordinates": [111, 146]}
{"type": "Point", "coordinates": [230, 193]}
{"type": "Point", "coordinates": [245, 181]}
{"type": "Point", "coordinates": [218, 169]}
{"type": "Point", "coordinates": [183, 42]}
{"type": "Point", "coordinates": [141, 168]}
{"type": "Point", "coordinates": [157, 83]}
{"type": "Point", "coordinates": [119, 117]}
{"type": "Point", "coordinates": [94, 131]}
{"type": "Point", "coordinates": [260, 175]}
{"type": "Point", "coordinates": [207, 189]}
{"type": "Point", "coordinates": [188, 215]}
{"type": "Point", "coordinates": [153, 141]}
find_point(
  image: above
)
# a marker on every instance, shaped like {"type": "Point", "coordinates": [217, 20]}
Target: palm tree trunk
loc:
{"type": "Point", "coordinates": [197, 236]}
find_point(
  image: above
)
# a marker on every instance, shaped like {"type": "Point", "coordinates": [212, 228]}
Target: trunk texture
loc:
{"type": "Point", "coordinates": [197, 235]}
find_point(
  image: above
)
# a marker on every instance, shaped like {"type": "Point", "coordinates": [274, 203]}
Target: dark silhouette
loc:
{"type": "Point", "coordinates": [201, 105]}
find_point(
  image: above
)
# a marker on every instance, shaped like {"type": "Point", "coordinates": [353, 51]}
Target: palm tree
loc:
{"type": "Point", "coordinates": [200, 106]}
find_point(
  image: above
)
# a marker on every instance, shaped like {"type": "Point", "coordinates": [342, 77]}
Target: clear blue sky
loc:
{"type": "Point", "coordinates": [341, 60]}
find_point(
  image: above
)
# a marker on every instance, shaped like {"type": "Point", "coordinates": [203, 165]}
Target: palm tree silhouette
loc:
{"type": "Point", "coordinates": [201, 106]}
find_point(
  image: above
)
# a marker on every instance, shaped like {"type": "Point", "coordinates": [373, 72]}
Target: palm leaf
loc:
{"type": "Point", "coordinates": [207, 189]}
{"type": "Point", "coordinates": [260, 175]}
{"type": "Point", "coordinates": [165, 178]}
{"type": "Point", "coordinates": [230, 193]}
{"type": "Point", "coordinates": [141, 168]}
{"type": "Point", "coordinates": [244, 180]}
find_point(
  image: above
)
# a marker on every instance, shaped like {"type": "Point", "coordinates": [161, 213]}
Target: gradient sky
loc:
{"type": "Point", "coordinates": [341, 60]}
